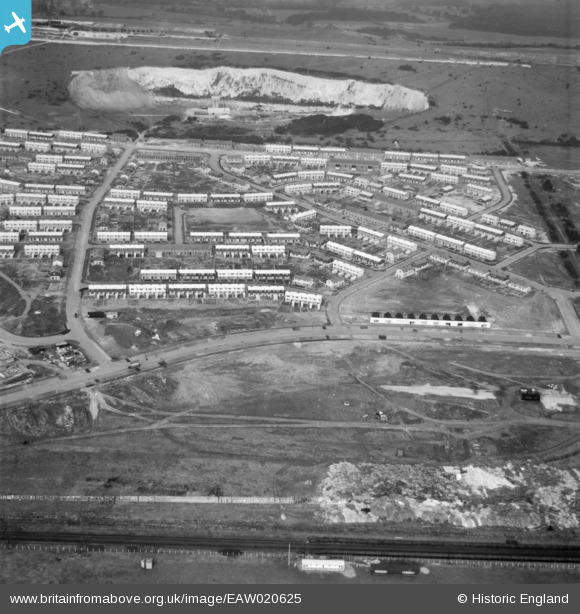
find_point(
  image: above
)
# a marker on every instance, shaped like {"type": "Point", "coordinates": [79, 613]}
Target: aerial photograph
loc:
{"type": "Point", "coordinates": [290, 292]}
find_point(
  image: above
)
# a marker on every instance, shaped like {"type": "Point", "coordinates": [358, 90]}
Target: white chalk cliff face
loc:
{"type": "Point", "coordinates": [265, 83]}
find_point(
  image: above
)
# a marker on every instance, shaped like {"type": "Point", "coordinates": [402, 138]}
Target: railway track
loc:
{"type": "Point", "coordinates": [313, 546]}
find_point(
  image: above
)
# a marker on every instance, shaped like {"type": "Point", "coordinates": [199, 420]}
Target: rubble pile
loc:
{"type": "Point", "coordinates": [513, 495]}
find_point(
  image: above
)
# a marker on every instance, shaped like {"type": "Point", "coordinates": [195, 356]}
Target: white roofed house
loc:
{"type": "Point", "coordinates": [300, 298]}
{"type": "Point", "coordinates": [41, 250]}
{"type": "Point", "coordinates": [269, 251]}
{"type": "Point", "coordinates": [116, 236]}
{"type": "Point", "coordinates": [347, 269]}
{"type": "Point", "coordinates": [335, 230]}
{"type": "Point", "coordinates": [226, 290]}
{"type": "Point", "coordinates": [107, 291]}
{"type": "Point", "coordinates": [367, 234]}
{"type": "Point", "coordinates": [186, 290]}
{"type": "Point", "coordinates": [150, 290]}
{"type": "Point", "coordinates": [127, 251]}
{"type": "Point", "coordinates": [151, 236]}
{"type": "Point", "coordinates": [265, 292]}
{"type": "Point", "coordinates": [158, 274]}
{"type": "Point", "coordinates": [272, 275]}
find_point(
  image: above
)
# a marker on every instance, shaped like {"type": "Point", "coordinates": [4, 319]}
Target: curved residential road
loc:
{"type": "Point", "coordinates": [74, 284]}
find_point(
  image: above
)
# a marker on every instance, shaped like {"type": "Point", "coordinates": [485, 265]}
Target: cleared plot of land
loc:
{"type": "Point", "coordinates": [236, 219]}
{"type": "Point", "coordinates": [439, 292]}
{"type": "Point", "coordinates": [168, 322]}
{"type": "Point", "coordinates": [11, 302]}
{"type": "Point", "coordinates": [271, 422]}
{"type": "Point", "coordinates": [467, 95]}
{"type": "Point", "coordinates": [547, 267]}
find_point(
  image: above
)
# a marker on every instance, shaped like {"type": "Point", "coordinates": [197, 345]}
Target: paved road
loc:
{"type": "Point", "coordinates": [109, 369]}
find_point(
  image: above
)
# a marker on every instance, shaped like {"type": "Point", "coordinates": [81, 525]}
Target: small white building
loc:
{"type": "Point", "coordinates": [336, 565]}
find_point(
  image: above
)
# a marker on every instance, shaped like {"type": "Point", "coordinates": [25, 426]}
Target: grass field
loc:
{"type": "Point", "coordinates": [168, 322]}
{"type": "Point", "coordinates": [466, 94]}
{"type": "Point", "coordinates": [11, 304]}
{"type": "Point", "coordinates": [22, 566]}
{"type": "Point", "coordinates": [436, 291]}
{"type": "Point", "coordinates": [235, 219]}
{"type": "Point", "coordinates": [44, 318]}
{"type": "Point", "coordinates": [279, 419]}
{"type": "Point", "coordinates": [546, 267]}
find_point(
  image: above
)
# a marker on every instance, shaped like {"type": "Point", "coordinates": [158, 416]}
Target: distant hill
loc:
{"type": "Point", "coordinates": [555, 20]}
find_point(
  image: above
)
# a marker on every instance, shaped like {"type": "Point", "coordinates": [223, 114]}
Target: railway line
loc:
{"type": "Point", "coordinates": [313, 546]}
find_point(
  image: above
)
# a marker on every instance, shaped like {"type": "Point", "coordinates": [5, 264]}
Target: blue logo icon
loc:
{"type": "Point", "coordinates": [15, 22]}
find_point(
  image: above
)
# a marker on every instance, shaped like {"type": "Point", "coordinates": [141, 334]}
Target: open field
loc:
{"type": "Point", "coordinates": [12, 304]}
{"type": "Point", "coordinates": [467, 95]}
{"type": "Point", "coordinates": [548, 268]}
{"type": "Point", "coordinates": [436, 291]}
{"type": "Point", "coordinates": [21, 566]}
{"type": "Point", "coordinates": [235, 219]}
{"type": "Point", "coordinates": [273, 422]}
{"type": "Point", "coordinates": [170, 322]}
{"type": "Point", "coordinates": [546, 202]}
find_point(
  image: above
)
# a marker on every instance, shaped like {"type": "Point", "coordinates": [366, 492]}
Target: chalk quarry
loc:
{"type": "Point", "coordinates": [128, 88]}
{"type": "Point", "coordinates": [525, 496]}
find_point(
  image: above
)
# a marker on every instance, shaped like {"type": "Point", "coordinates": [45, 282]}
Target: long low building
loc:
{"type": "Point", "coordinates": [406, 321]}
